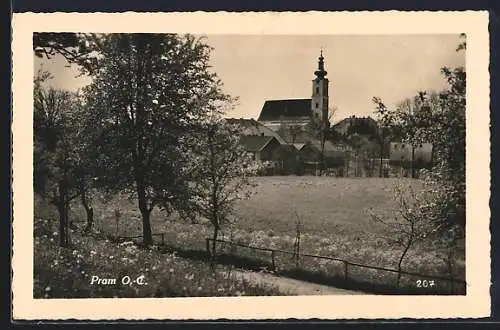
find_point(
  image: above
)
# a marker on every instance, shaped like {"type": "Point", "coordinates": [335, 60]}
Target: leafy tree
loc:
{"type": "Point", "coordinates": [147, 92]}
{"type": "Point", "coordinates": [48, 44]}
{"type": "Point", "coordinates": [438, 118]}
{"type": "Point", "coordinates": [57, 132]}
{"type": "Point", "coordinates": [389, 129]}
{"type": "Point", "coordinates": [220, 171]}
{"type": "Point", "coordinates": [75, 48]}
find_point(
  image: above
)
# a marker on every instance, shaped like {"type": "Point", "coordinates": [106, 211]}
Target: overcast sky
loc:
{"type": "Point", "coordinates": [259, 68]}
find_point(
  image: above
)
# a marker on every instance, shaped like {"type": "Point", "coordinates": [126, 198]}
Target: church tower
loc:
{"type": "Point", "coordinates": [319, 100]}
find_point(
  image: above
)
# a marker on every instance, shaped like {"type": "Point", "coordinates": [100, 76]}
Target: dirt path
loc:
{"type": "Point", "coordinates": [292, 286]}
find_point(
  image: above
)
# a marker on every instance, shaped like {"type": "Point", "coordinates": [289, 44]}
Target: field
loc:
{"type": "Point", "coordinates": [334, 217]}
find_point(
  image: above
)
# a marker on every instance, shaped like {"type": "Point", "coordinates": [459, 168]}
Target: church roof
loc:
{"type": "Point", "coordinates": [254, 142]}
{"type": "Point", "coordinates": [289, 109]}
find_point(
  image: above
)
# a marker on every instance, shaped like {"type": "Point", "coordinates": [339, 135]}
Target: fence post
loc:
{"type": "Point", "coordinates": [346, 274]}
{"type": "Point", "coordinates": [272, 260]}
{"type": "Point", "coordinates": [163, 239]}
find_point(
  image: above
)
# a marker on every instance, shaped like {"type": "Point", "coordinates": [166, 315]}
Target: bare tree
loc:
{"type": "Point", "coordinates": [324, 135]}
{"type": "Point", "coordinates": [415, 220]}
{"type": "Point", "coordinates": [221, 171]}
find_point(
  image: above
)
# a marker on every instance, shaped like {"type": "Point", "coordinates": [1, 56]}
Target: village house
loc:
{"type": "Point", "coordinates": [364, 125]}
{"type": "Point", "coordinates": [262, 148]}
{"type": "Point", "coordinates": [287, 137]}
{"type": "Point", "coordinates": [253, 127]}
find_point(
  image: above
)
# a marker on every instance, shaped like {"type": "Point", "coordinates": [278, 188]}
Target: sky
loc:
{"type": "Point", "coordinates": [256, 68]}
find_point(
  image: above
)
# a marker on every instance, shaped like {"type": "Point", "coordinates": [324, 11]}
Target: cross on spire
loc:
{"type": "Point", "coordinates": [321, 73]}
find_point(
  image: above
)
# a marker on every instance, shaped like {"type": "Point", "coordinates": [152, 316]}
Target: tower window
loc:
{"type": "Point", "coordinates": [317, 89]}
{"type": "Point", "coordinates": [317, 105]}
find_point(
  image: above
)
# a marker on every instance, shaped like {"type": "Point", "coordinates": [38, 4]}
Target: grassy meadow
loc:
{"type": "Point", "coordinates": [138, 273]}
{"type": "Point", "coordinates": [334, 217]}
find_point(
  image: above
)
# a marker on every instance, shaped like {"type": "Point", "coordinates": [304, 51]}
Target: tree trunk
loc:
{"type": "Point", "coordinates": [322, 155]}
{"type": "Point", "coordinates": [213, 198]}
{"type": "Point", "coordinates": [63, 209]}
{"type": "Point", "coordinates": [382, 138]}
{"type": "Point", "coordinates": [213, 258]}
{"type": "Point", "coordinates": [88, 209]}
{"type": "Point", "coordinates": [412, 161]}
{"type": "Point", "coordinates": [146, 228]}
{"type": "Point", "coordinates": [407, 247]}
{"type": "Point", "coordinates": [348, 157]}
{"type": "Point", "coordinates": [147, 236]}
{"type": "Point", "coordinates": [381, 171]}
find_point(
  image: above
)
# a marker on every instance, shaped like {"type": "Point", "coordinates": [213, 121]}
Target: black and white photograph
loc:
{"type": "Point", "coordinates": [186, 164]}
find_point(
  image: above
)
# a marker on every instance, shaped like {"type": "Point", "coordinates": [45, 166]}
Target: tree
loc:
{"type": "Point", "coordinates": [439, 118]}
{"type": "Point", "coordinates": [147, 92]}
{"type": "Point", "coordinates": [417, 219]}
{"type": "Point", "coordinates": [323, 132]}
{"type": "Point", "coordinates": [74, 48]}
{"type": "Point", "coordinates": [220, 171]}
{"type": "Point", "coordinates": [383, 135]}
{"type": "Point", "coordinates": [48, 44]}
{"type": "Point", "coordinates": [56, 133]}
{"type": "Point", "coordinates": [84, 177]}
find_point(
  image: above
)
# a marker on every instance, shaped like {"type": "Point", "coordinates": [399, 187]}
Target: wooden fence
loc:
{"type": "Point", "coordinates": [346, 264]}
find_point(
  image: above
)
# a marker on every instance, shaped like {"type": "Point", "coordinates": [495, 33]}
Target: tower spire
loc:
{"type": "Point", "coordinates": [321, 73]}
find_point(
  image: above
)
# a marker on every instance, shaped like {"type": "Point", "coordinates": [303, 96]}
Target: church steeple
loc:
{"type": "Point", "coordinates": [321, 73]}
{"type": "Point", "coordinates": [319, 100]}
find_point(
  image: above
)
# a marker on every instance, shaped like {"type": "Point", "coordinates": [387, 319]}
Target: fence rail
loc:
{"type": "Point", "coordinates": [273, 252]}
{"type": "Point", "coordinates": [345, 262]}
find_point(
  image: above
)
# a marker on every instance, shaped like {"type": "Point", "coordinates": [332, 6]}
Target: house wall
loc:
{"type": "Point", "coordinates": [275, 125]}
{"type": "Point", "coordinates": [269, 151]}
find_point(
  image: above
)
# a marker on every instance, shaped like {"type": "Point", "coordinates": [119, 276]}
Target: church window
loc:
{"type": "Point", "coordinates": [317, 89]}
{"type": "Point", "coordinates": [317, 105]}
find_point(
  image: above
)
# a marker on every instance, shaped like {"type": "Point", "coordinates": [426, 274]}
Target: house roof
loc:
{"type": "Point", "coordinates": [254, 142]}
{"type": "Point", "coordinates": [253, 127]}
{"type": "Point", "coordinates": [289, 109]}
{"type": "Point", "coordinates": [299, 146]}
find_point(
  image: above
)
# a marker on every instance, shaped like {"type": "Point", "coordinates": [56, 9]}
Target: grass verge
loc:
{"type": "Point", "coordinates": [68, 272]}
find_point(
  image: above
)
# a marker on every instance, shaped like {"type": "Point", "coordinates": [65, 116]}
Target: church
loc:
{"type": "Point", "coordinates": [300, 112]}
{"type": "Point", "coordinates": [290, 131]}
